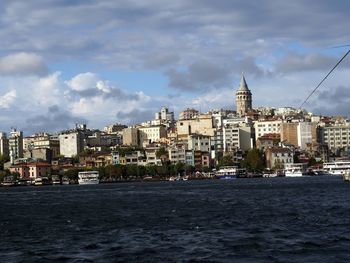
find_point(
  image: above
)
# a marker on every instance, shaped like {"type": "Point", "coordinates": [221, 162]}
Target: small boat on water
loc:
{"type": "Point", "coordinates": [9, 181]}
{"type": "Point", "coordinates": [337, 168]}
{"type": "Point", "coordinates": [229, 172]}
{"type": "Point", "coordinates": [42, 181]}
{"type": "Point", "coordinates": [88, 177]}
{"type": "Point", "coordinates": [295, 169]}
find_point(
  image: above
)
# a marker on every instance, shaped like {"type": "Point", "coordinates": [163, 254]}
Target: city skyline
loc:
{"type": "Point", "coordinates": [107, 62]}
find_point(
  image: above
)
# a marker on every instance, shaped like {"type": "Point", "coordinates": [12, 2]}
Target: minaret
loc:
{"type": "Point", "coordinates": [243, 98]}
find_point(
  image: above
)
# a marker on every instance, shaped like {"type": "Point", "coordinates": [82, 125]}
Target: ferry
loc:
{"type": "Point", "coordinates": [337, 168]}
{"type": "Point", "coordinates": [228, 172]}
{"type": "Point", "coordinates": [88, 177]}
{"type": "Point", "coordinates": [9, 181]}
{"type": "Point", "coordinates": [295, 169]}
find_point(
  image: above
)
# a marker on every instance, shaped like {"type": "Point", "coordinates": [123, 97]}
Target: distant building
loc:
{"type": "Point", "coordinates": [188, 114]}
{"type": "Point", "coordinates": [152, 134]}
{"type": "Point", "coordinates": [4, 144]}
{"type": "Point", "coordinates": [131, 136]}
{"type": "Point", "coordinates": [71, 143]}
{"type": "Point", "coordinates": [243, 98]}
{"type": "Point", "coordinates": [277, 157]}
{"type": "Point", "coordinates": [16, 145]}
{"type": "Point", "coordinates": [113, 128]}
{"type": "Point", "coordinates": [202, 124]}
{"type": "Point", "coordinates": [299, 134]}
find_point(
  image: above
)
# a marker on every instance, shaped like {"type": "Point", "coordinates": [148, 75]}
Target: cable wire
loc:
{"type": "Point", "coordinates": [336, 65]}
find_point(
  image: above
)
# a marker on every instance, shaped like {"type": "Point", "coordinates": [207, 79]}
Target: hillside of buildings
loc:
{"type": "Point", "coordinates": [193, 144]}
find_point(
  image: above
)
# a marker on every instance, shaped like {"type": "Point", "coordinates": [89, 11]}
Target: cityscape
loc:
{"type": "Point", "coordinates": [264, 141]}
{"type": "Point", "coordinates": [174, 131]}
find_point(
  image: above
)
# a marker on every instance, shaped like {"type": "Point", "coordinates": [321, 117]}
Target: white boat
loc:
{"type": "Point", "coordinates": [294, 169]}
{"type": "Point", "coordinates": [337, 168]}
{"type": "Point", "coordinates": [229, 172]}
{"type": "Point", "coordinates": [88, 177]}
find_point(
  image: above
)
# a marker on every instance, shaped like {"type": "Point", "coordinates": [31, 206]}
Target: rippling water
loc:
{"type": "Point", "coordinates": [244, 220]}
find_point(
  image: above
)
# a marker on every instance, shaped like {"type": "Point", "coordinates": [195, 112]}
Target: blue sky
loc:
{"type": "Point", "coordinates": [103, 62]}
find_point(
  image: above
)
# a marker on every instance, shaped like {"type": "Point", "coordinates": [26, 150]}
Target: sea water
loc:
{"type": "Point", "coordinates": [245, 220]}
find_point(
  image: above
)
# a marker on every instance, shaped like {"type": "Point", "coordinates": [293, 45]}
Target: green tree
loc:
{"type": "Point", "coordinates": [3, 160]}
{"type": "Point", "coordinates": [151, 170]}
{"type": "Point", "coordinates": [254, 160]}
{"type": "Point", "coordinates": [226, 160]}
{"type": "Point", "coordinates": [162, 154]}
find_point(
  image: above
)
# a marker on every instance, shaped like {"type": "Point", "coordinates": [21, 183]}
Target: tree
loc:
{"type": "Point", "coordinates": [254, 160]}
{"type": "Point", "coordinates": [162, 154]}
{"type": "Point", "coordinates": [3, 159]}
{"type": "Point", "coordinates": [226, 160]}
{"type": "Point", "coordinates": [151, 169]}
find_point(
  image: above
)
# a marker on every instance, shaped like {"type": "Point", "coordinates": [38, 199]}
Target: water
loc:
{"type": "Point", "coordinates": [244, 220]}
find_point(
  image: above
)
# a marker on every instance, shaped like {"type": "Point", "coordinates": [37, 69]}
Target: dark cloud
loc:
{"type": "Point", "coordinates": [55, 119]}
{"type": "Point", "coordinates": [199, 76]}
{"type": "Point", "coordinates": [293, 62]}
{"type": "Point", "coordinates": [134, 116]}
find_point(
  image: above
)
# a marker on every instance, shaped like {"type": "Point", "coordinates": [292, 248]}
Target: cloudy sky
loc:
{"type": "Point", "coordinates": [101, 62]}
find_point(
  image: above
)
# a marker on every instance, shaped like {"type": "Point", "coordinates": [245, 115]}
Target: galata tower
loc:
{"type": "Point", "coordinates": [243, 98]}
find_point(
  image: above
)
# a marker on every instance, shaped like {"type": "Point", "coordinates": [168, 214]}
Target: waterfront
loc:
{"type": "Point", "coordinates": [244, 220]}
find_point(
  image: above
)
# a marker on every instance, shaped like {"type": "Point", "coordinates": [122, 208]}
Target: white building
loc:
{"type": "Point", "coordinates": [237, 137]}
{"type": "Point", "coordinates": [265, 127]}
{"type": "Point", "coordinates": [152, 134]}
{"type": "Point", "coordinates": [198, 142]}
{"type": "Point", "coordinates": [16, 145]}
{"type": "Point", "coordinates": [336, 137]}
{"type": "Point", "coordinates": [4, 144]}
{"type": "Point", "coordinates": [71, 143]}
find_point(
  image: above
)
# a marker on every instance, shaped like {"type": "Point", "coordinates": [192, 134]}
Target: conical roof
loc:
{"type": "Point", "coordinates": [243, 85]}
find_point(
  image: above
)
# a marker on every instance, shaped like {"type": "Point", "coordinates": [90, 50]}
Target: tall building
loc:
{"type": "Point", "coordinates": [243, 98]}
{"type": "Point", "coordinates": [71, 142]}
{"type": "Point", "coordinates": [16, 144]}
{"type": "Point", "coordinates": [4, 144]}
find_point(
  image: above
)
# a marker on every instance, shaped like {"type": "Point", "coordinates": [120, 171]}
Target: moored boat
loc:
{"type": "Point", "coordinates": [228, 172]}
{"type": "Point", "coordinates": [88, 177]}
{"type": "Point", "coordinates": [295, 169]}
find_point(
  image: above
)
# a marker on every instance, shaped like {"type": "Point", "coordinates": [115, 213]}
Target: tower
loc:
{"type": "Point", "coordinates": [243, 98]}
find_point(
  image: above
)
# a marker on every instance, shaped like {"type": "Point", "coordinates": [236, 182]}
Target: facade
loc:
{"type": "Point", "coordinates": [131, 136]}
{"type": "Point", "coordinates": [263, 127]}
{"type": "Point", "coordinates": [277, 157]}
{"type": "Point", "coordinates": [177, 153]}
{"type": "Point", "coordinates": [188, 114]}
{"type": "Point", "coordinates": [299, 134]}
{"type": "Point", "coordinates": [16, 145]}
{"type": "Point", "coordinates": [199, 142]}
{"type": "Point", "coordinates": [203, 124]}
{"type": "Point", "coordinates": [41, 146]}
{"type": "Point", "coordinates": [337, 137]}
{"type": "Point", "coordinates": [152, 134]}
{"type": "Point", "coordinates": [31, 170]}
{"type": "Point", "coordinates": [71, 143]}
{"type": "Point", "coordinates": [243, 98]}
{"type": "Point", "coordinates": [4, 144]}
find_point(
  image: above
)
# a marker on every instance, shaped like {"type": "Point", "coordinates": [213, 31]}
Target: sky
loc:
{"type": "Point", "coordinates": [116, 61]}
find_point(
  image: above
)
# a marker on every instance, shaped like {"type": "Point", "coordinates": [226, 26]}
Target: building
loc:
{"type": "Point", "coordinates": [299, 133]}
{"type": "Point", "coordinates": [152, 134]}
{"type": "Point", "coordinates": [41, 146]}
{"type": "Point", "coordinates": [188, 114]}
{"type": "Point", "coordinates": [243, 98]}
{"type": "Point", "coordinates": [235, 136]}
{"type": "Point", "coordinates": [131, 136]}
{"type": "Point", "coordinates": [199, 142]}
{"type": "Point", "coordinates": [4, 144]}
{"type": "Point", "coordinates": [16, 145]}
{"type": "Point", "coordinates": [268, 140]}
{"type": "Point", "coordinates": [263, 127]}
{"type": "Point", "coordinates": [337, 137]}
{"type": "Point", "coordinates": [177, 153]}
{"type": "Point", "coordinates": [114, 128]}
{"type": "Point", "coordinates": [71, 142]}
{"type": "Point", "coordinates": [277, 157]}
{"type": "Point", "coordinates": [202, 124]}
{"type": "Point", "coordinates": [31, 170]}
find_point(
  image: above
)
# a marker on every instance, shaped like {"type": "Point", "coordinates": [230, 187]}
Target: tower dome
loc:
{"type": "Point", "coordinates": [243, 98]}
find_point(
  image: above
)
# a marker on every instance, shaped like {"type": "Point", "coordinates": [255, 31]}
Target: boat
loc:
{"type": "Point", "coordinates": [65, 180]}
{"type": "Point", "coordinates": [56, 180]}
{"type": "Point", "coordinates": [229, 172]}
{"type": "Point", "coordinates": [88, 177]}
{"type": "Point", "coordinates": [337, 168]}
{"type": "Point", "coordinates": [295, 169]}
{"type": "Point", "coordinates": [9, 181]}
{"type": "Point", "coordinates": [38, 181]}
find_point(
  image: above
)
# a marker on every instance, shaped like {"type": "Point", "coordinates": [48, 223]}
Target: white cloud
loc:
{"type": "Point", "coordinates": [7, 99]}
{"type": "Point", "coordinates": [83, 81]}
{"type": "Point", "coordinates": [22, 64]}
